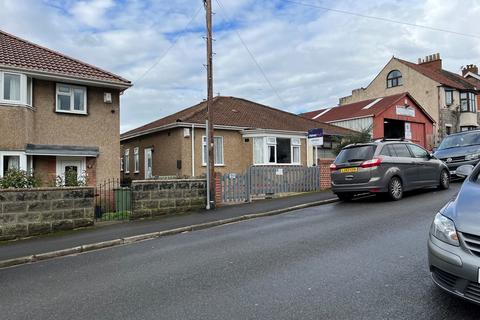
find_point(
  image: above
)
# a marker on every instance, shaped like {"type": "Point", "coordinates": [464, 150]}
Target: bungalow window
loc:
{"type": "Point", "coordinates": [272, 150]}
{"type": "Point", "coordinates": [136, 160]}
{"type": "Point", "coordinates": [121, 164]}
{"type": "Point", "coordinates": [468, 102]}
{"type": "Point", "coordinates": [394, 79]}
{"type": "Point", "coordinates": [15, 88]}
{"type": "Point", "coordinates": [217, 151]}
{"type": "Point", "coordinates": [448, 97]}
{"type": "Point", "coordinates": [71, 99]}
{"type": "Point", "coordinates": [127, 161]}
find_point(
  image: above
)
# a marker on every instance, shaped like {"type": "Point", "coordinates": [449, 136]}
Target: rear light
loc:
{"type": "Point", "coordinates": [333, 167]}
{"type": "Point", "coordinates": [375, 162]}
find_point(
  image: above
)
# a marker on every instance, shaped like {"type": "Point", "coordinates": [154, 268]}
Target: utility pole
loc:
{"type": "Point", "coordinates": [211, 160]}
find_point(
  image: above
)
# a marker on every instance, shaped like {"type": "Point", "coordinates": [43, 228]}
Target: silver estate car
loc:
{"type": "Point", "coordinates": [386, 167]}
{"type": "Point", "coordinates": [454, 240]}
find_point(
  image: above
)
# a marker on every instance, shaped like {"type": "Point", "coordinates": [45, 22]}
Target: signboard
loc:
{"type": "Point", "coordinates": [405, 111]}
{"type": "Point", "coordinates": [408, 131]}
{"type": "Point", "coordinates": [315, 136]}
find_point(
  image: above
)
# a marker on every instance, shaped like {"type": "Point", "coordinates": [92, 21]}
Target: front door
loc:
{"type": "Point", "coordinates": [69, 168]}
{"type": "Point", "coordinates": [148, 163]}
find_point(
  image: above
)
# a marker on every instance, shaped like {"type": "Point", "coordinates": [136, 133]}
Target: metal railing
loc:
{"type": "Point", "coordinates": [113, 201]}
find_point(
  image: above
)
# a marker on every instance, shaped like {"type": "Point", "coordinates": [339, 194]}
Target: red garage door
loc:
{"type": "Point", "coordinates": [418, 133]}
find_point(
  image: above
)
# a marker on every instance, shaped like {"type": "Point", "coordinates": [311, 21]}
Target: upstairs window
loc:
{"type": "Point", "coordinates": [448, 97]}
{"type": "Point", "coordinates": [71, 99]}
{"type": "Point", "coordinates": [15, 88]}
{"type": "Point", "coordinates": [394, 79]}
{"type": "Point", "coordinates": [468, 102]}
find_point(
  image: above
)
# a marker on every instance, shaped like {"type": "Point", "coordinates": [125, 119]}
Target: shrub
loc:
{"type": "Point", "coordinates": [71, 179]}
{"type": "Point", "coordinates": [356, 137]}
{"type": "Point", "coordinates": [16, 179]}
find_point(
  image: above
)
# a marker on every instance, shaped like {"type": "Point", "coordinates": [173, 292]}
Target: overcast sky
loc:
{"type": "Point", "coordinates": [310, 56]}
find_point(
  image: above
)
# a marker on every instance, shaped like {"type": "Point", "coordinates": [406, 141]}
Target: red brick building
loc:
{"type": "Point", "coordinates": [395, 116]}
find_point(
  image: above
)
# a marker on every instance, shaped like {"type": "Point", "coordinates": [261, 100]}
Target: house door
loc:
{"type": "Point", "coordinates": [148, 163]}
{"type": "Point", "coordinates": [70, 167]}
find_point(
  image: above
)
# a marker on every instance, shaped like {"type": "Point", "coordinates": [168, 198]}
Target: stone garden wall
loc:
{"type": "Point", "coordinates": [152, 198]}
{"type": "Point", "coordinates": [28, 212]}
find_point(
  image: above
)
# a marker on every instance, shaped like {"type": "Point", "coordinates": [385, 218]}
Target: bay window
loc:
{"type": "Point", "coordinates": [71, 99]}
{"type": "Point", "coordinates": [217, 151]}
{"type": "Point", "coordinates": [276, 150]}
{"type": "Point", "coordinates": [468, 102]}
{"type": "Point", "coordinates": [15, 88]}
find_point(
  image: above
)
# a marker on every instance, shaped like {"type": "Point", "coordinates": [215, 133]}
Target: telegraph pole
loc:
{"type": "Point", "coordinates": [211, 163]}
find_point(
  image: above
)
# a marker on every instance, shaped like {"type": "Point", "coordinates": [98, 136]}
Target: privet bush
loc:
{"type": "Point", "coordinates": [17, 179]}
{"type": "Point", "coordinates": [71, 179]}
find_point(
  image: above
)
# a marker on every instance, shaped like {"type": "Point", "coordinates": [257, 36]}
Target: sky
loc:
{"type": "Point", "coordinates": [286, 54]}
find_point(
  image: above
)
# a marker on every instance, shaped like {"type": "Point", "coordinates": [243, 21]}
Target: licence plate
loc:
{"type": "Point", "coordinates": [348, 170]}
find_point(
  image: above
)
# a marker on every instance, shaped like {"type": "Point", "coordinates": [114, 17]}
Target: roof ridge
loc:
{"type": "Point", "coordinates": [64, 56]}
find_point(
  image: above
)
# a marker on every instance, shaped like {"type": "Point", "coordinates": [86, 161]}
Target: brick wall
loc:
{"type": "Point", "coordinates": [28, 212]}
{"type": "Point", "coordinates": [153, 198]}
{"type": "Point", "coordinates": [325, 181]}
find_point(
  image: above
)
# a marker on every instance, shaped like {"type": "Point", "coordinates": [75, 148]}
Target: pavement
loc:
{"type": "Point", "coordinates": [361, 260]}
{"type": "Point", "coordinates": [107, 231]}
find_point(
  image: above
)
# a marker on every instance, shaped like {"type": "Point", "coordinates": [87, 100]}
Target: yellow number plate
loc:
{"type": "Point", "coordinates": [348, 170]}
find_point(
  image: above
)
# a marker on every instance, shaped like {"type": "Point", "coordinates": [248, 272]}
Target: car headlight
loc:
{"type": "Point", "coordinates": [444, 230]}
{"type": "Point", "coordinates": [473, 156]}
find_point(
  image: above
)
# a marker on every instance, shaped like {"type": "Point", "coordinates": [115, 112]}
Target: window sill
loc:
{"type": "Point", "coordinates": [217, 165]}
{"type": "Point", "coordinates": [400, 85]}
{"type": "Point", "coordinates": [72, 112]}
{"type": "Point", "coordinates": [14, 104]}
{"type": "Point", "coordinates": [278, 164]}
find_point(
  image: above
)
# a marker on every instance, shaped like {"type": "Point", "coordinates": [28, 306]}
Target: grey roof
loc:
{"type": "Point", "coordinates": [58, 150]}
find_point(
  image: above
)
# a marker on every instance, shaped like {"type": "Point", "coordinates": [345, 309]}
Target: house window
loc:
{"type": "Point", "coordinates": [136, 160]}
{"type": "Point", "coordinates": [15, 88]}
{"type": "Point", "coordinates": [394, 79]}
{"type": "Point", "coordinates": [127, 161]}
{"type": "Point", "coordinates": [448, 97]}
{"type": "Point", "coordinates": [217, 151]}
{"type": "Point", "coordinates": [121, 164]}
{"type": "Point", "coordinates": [467, 128]}
{"type": "Point", "coordinates": [10, 160]}
{"type": "Point", "coordinates": [448, 129]}
{"type": "Point", "coordinates": [468, 102]}
{"type": "Point", "coordinates": [71, 99]}
{"type": "Point", "coordinates": [272, 150]}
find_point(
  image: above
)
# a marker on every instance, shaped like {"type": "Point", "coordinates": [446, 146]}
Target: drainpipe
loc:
{"type": "Point", "coordinates": [193, 150]}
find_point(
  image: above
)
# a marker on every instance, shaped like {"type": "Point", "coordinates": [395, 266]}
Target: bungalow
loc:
{"type": "Point", "coordinates": [245, 133]}
{"type": "Point", "coordinates": [395, 116]}
{"type": "Point", "coordinates": [57, 114]}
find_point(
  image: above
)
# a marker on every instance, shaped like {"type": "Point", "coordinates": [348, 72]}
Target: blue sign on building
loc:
{"type": "Point", "coordinates": [315, 133]}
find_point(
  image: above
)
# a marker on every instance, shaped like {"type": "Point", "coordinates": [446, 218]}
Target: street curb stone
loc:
{"type": "Point", "coordinates": [153, 235]}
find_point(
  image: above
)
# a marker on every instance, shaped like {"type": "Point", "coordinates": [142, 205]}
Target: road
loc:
{"type": "Point", "coordinates": [360, 260]}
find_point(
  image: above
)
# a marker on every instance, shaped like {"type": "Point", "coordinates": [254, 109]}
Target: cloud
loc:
{"type": "Point", "coordinates": [310, 56]}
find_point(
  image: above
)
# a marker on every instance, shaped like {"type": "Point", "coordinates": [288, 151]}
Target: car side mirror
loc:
{"type": "Point", "coordinates": [431, 156]}
{"type": "Point", "coordinates": [464, 171]}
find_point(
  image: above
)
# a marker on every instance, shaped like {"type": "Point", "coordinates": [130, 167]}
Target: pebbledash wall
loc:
{"type": "Point", "coordinates": [153, 198]}
{"type": "Point", "coordinates": [29, 212]}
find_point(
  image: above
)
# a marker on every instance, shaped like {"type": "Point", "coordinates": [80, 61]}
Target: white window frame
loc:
{"type": "Point", "coordinates": [25, 91]}
{"type": "Point", "coordinates": [448, 92]}
{"type": "Point", "coordinates": [136, 160]}
{"type": "Point", "coordinates": [205, 149]}
{"type": "Point", "coordinates": [271, 142]}
{"type": "Point", "coordinates": [23, 160]}
{"type": "Point", "coordinates": [127, 160]}
{"type": "Point", "coordinates": [121, 164]}
{"type": "Point", "coordinates": [72, 98]}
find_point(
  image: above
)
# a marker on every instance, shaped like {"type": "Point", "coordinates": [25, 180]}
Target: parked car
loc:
{"type": "Point", "coordinates": [386, 167]}
{"type": "Point", "coordinates": [459, 149]}
{"type": "Point", "coordinates": [454, 240]}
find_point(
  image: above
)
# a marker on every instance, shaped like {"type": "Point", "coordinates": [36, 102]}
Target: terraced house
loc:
{"type": "Point", "coordinates": [57, 113]}
{"type": "Point", "coordinates": [449, 98]}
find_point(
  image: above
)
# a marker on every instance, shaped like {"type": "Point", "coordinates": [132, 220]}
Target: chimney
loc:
{"type": "Point", "coordinates": [469, 68]}
{"type": "Point", "coordinates": [432, 61]}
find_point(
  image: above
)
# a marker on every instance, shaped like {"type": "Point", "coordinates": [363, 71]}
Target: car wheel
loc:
{"type": "Point", "coordinates": [444, 180]}
{"type": "Point", "coordinates": [345, 196]}
{"type": "Point", "coordinates": [395, 189]}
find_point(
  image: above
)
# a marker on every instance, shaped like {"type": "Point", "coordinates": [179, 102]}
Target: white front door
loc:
{"type": "Point", "coordinates": [70, 164]}
{"type": "Point", "coordinates": [148, 163]}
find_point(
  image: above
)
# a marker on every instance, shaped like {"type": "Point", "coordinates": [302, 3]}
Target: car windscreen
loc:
{"type": "Point", "coordinates": [355, 154]}
{"type": "Point", "coordinates": [460, 140]}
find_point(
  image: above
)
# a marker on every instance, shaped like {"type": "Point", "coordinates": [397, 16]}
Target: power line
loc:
{"type": "Point", "coordinates": [169, 48]}
{"type": "Point", "coordinates": [382, 19]}
{"type": "Point", "coordinates": [253, 57]}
